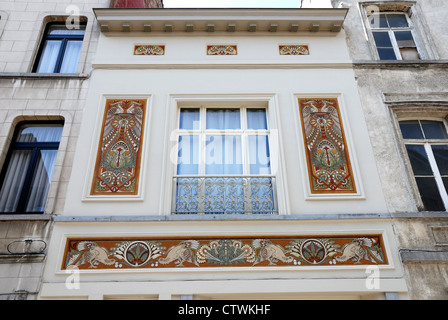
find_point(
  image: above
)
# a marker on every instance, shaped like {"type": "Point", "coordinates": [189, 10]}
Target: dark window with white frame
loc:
{"type": "Point", "coordinates": [60, 49]}
{"type": "Point", "coordinates": [26, 175]}
{"type": "Point", "coordinates": [426, 144]}
{"type": "Point", "coordinates": [393, 36]}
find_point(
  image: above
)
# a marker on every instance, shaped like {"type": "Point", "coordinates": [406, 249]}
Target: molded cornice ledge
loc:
{"type": "Point", "coordinates": [252, 21]}
{"type": "Point", "coordinates": [400, 64]}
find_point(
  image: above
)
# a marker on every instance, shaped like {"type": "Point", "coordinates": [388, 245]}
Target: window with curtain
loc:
{"type": "Point", "coordinates": [26, 175]}
{"type": "Point", "coordinates": [223, 162]}
{"type": "Point", "coordinates": [426, 144]}
{"type": "Point", "coordinates": [60, 49]}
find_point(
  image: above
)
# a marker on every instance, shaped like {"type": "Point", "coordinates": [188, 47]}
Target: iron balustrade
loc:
{"type": "Point", "coordinates": [224, 195]}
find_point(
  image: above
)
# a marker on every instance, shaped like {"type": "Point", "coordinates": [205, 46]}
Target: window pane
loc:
{"type": "Point", "coordinates": [441, 155]}
{"type": "Point", "coordinates": [71, 57]}
{"type": "Point", "coordinates": [411, 130]}
{"type": "Point", "coordinates": [40, 183]}
{"type": "Point", "coordinates": [434, 130]}
{"type": "Point", "coordinates": [259, 155]}
{"type": "Point", "coordinates": [382, 39]}
{"type": "Point", "coordinates": [188, 155]}
{"type": "Point", "coordinates": [223, 155]}
{"type": "Point", "coordinates": [386, 54]}
{"type": "Point", "coordinates": [222, 119]}
{"type": "Point", "coordinates": [409, 54]}
{"type": "Point", "coordinates": [404, 39]}
{"type": "Point", "coordinates": [14, 179]}
{"type": "Point", "coordinates": [419, 160]}
{"type": "Point", "coordinates": [430, 194]}
{"type": "Point", "coordinates": [49, 56]}
{"type": "Point", "coordinates": [189, 119]}
{"type": "Point", "coordinates": [397, 21]}
{"type": "Point", "coordinates": [256, 119]}
{"type": "Point", "coordinates": [39, 133]}
{"type": "Point", "coordinates": [378, 21]}
{"type": "Point", "coordinates": [56, 30]}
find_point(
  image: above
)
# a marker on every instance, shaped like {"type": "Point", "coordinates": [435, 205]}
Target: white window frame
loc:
{"type": "Point", "coordinates": [427, 143]}
{"type": "Point", "coordinates": [391, 33]}
{"type": "Point", "coordinates": [268, 101]}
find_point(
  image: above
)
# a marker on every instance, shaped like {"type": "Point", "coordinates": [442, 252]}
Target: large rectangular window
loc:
{"type": "Point", "coordinates": [26, 175]}
{"type": "Point", "coordinates": [60, 49]}
{"type": "Point", "coordinates": [427, 148]}
{"type": "Point", "coordinates": [223, 162]}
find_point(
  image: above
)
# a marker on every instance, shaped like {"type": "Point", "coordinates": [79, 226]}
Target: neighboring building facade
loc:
{"type": "Point", "coordinates": [44, 76]}
{"type": "Point", "coordinates": [400, 61]}
{"type": "Point", "coordinates": [223, 154]}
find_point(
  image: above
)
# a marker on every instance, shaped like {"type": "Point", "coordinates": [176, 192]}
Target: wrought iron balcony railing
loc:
{"type": "Point", "coordinates": [224, 195]}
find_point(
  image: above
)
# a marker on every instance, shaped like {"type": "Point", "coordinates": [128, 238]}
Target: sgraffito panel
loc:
{"type": "Point", "coordinates": [223, 252]}
{"type": "Point", "coordinates": [293, 50]}
{"type": "Point", "coordinates": [221, 50]}
{"type": "Point", "coordinates": [328, 160]}
{"type": "Point", "coordinates": [149, 50]}
{"type": "Point", "coordinates": [117, 165]}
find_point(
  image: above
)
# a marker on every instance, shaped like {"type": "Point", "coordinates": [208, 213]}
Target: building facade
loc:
{"type": "Point", "coordinates": [157, 153]}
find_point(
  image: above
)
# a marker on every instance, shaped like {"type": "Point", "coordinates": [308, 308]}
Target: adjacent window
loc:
{"type": "Point", "coordinates": [427, 147]}
{"type": "Point", "coordinates": [60, 49]}
{"type": "Point", "coordinates": [223, 162]}
{"type": "Point", "coordinates": [393, 36]}
{"type": "Point", "coordinates": [26, 175]}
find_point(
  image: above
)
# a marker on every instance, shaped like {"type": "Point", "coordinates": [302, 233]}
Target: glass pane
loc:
{"type": "Point", "coordinates": [259, 155]}
{"type": "Point", "coordinates": [49, 56]}
{"type": "Point", "coordinates": [71, 57]}
{"type": "Point", "coordinates": [39, 133]}
{"type": "Point", "coordinates": [386, 54]}
{"type": "Point", "coordinates": [62, 30]}
{"type": "Point", "coordinates": [445, 182]}
{"type": "Point", "coordinates": [411, 130]}
{"type": "Point", "coordinates": [419, 160]}
{"type": "Point", "coordinates": [40, 183]}
{"type": "Point", "coordinates": [434, 130]}
{"type": "Point", "coordinates": [430, 194]}
{"type": "Point", "coordinates": [441, 155]}
{"type": "Point", "coordinates": [409, 54]}
{"type": "Point", "coordinates": [256, 119]}
{"type": "Point", "coordinates": [378, 21]}
{"type": "Point", "coordinates": [188, 155]}
{"type": "Point", "coordinates": [222, 119]}
{"type": "Point", "coordinates": [404, 39]}
{"type": "Point", "coordinates": [14, 179]}
{"type": "Point", "coordinates": [382, 39]}
{"type": "Point", "coordinates": [223, 155]}
{"type": "Point", "coordinates": [397, 21]}
{"type": "Point", "coordinates": [189, 119]}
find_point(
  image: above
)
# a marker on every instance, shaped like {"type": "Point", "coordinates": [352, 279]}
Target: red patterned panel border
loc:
{"type": "Point", "coordinates": [152, 253]}
{"type": "Point", "coordinates": [118, 160]}
{"type": "Point", "coordinates": [326, 151]}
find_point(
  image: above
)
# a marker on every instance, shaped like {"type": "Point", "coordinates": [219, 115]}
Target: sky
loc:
{"type": "Point", "coordinates": [231, 3]}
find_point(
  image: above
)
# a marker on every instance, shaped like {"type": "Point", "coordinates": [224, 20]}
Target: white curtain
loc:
{"type": "Point", "coordinates": [49, 56]}
{"type": "Point", "coordinates": [33, 133]}
{"type": "Point", "coordinates": [71, 57]}
{"type": "Point", "coordinates": [14, 179]}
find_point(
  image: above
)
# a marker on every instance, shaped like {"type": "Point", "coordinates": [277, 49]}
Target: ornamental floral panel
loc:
{"type": "Point", "coordinates": [149, 50]}
{"type": "Point", "coordinates": [221, 50]}
{"type": "Point", "coordinates": [117, 165]}
{"type": "Point", "coordinates": [255, 252]}
{"type": "Point", "coordinates": [328, 160]}
{"type": "Point", "coordinates": [293, 50]}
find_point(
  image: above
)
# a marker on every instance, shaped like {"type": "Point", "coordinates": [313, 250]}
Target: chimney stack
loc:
{"type": "Point", "coordinates": [136, 4]}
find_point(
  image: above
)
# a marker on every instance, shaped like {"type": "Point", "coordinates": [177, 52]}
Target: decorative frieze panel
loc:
{"type": "Point", "coordinates": [328, 161]}
{"type": "Point", "coordinates": [149, 50]}
{"type": "Point", "coordinates": [117, 165]}
{"type": "Point", "coordinates": [150, 253]}
{"type": "Point", "coordinates": [293, 50]}
{"type": "Point", "coordinates": [221, 50]}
